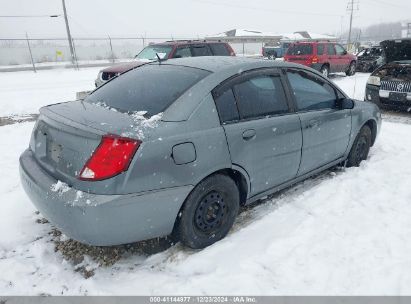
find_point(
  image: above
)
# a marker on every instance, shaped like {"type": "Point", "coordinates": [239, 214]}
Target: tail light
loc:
{"type": "Point", "coordinates": [314, 59]}
{"type": "Point", "coordinates": [112, 157]}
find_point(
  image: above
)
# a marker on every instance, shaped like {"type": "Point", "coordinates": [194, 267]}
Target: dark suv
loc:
{"type": "Point", "coordinates": [324, 56]}
{"type": "Point", "coordinates": [167, 50]}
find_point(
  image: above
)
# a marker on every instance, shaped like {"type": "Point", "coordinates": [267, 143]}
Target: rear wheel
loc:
{"type": "Point", "coordinates": [360, 148]}
{"type": "Point", "coordinates": [351, 69]}
{"type": "Point", "coordinates": [209, 212]}
{"type": "Point", "coordinates": [325, 70]}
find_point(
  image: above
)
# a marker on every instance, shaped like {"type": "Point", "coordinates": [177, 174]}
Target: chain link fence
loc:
{"type": "Point", "coordinates": [88, 50]}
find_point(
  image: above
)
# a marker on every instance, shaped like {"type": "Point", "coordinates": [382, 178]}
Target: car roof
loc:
{"type": "Point", "coordinates": [179, 42]}
{"type": "Point", "coordinates": [221, 68]}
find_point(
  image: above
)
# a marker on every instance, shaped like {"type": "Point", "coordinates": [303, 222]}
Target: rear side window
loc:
{"type": "Point", "coordinates": [226, 106]}
{"type": "Point", "coordinates": [320, 49]}
{"type": "Point", "coordinates": [260, 96]}
{"type": "Point", "coordinates": [151, 88]}
{"type": "Point", "coordinates": [219, 49]}
{"type": "Point", "coordinates": [300, 49]}
{"type": "Point", "coordinates": [182, 52]}
{"type": "Point", "coordinates": [330, 49]}
{"type": "Point", "coordinates": [310, 92]}
{"type": "Point", "coordinates": [201, 50]}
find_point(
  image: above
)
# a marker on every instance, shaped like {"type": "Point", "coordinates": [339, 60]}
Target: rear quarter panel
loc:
{"type": "Point", "coordinates": [153, 166]}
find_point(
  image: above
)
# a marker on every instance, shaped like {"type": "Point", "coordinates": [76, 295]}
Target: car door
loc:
{"type": "Point", "coordinates": [332, 58]}
{"type": "Point", "coordinates": [343, 60]}
{"type": "Point", "coordinates": [325, 127]}
{"type": "Point", "coordinates": [263, 136]}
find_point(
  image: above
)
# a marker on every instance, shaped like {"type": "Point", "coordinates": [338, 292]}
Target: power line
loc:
{"type": "Point", "coordinates": [389, 4]}
{"type": "Point", "coordinates": [29, 16]}
{"type": "Point", "coordinates": [265, 9]}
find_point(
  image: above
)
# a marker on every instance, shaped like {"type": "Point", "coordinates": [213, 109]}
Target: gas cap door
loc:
{"type": "Point", "coordinates": [184, 153]}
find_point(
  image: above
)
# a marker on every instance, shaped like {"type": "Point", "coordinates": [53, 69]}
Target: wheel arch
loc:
{"type": "Point", "coordinates": [372, 124]}
{"type": "Point", "coordinates": [237, 174]}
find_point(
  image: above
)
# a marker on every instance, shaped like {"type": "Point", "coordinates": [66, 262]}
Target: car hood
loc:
{"type": "Point", "coordinates": [120, 68]}
{"type": "Point", "coordinates": [397, 50]}
{"type": "Point", "coordinates": [397, 70]}
{"type": "Point", "coordinates": [368, 58]}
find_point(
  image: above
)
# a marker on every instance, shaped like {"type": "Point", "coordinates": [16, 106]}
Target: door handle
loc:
{"type": "Point", "coordinates": [313, 123]}
{"type": "Point", "coordinates": [248, 134]}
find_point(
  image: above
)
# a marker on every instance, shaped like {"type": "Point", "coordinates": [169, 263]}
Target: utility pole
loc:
{"type": "Point", "coordinates": [351, 14]}
{"type": "Point", "coordinates": [70, 40]}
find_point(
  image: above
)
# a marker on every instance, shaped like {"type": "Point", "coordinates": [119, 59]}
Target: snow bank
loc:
{"type": "Point", "coordinates": [346, 231]}
{"type": "Point", "coordinates": [26, 92]}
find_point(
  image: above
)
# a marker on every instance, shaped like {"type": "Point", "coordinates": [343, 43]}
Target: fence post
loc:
{"type": "Point", "coordinates": [75, 64]}
{"type": "Point", "coordinates": [111, 48]}
{"type": "Point", "coordinates": [31, 55]}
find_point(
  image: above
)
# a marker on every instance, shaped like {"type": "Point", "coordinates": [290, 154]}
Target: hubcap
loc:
{"type": "Point", "coordinates": [211, 212]}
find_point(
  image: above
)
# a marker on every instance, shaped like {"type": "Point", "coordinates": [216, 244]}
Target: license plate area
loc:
{"type": "Point", "coordinates": [395, 96]}
{"type": "Point", "coordinates": [54, 150]}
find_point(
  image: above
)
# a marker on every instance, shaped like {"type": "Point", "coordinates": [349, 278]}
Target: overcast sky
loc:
{"type": "Point", "coordinates": [192, 18]}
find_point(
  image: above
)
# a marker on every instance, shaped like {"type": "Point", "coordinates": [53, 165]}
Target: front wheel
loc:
{"type": "Point", "coordinates": [325, 70]}
{"type": "Point", "coordinates": [360, 148]}
{"type": "Point", "coordinates": [208, 212]}
{"type": "Point", "coordinates": [351, 69]}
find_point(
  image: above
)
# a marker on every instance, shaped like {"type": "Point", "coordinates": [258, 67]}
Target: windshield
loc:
{"type": "Point", "coordinates": [149, 53]}
{"type": "Point", "coordinates": [300, 49]}
{"type": "Point", "coordinates": [151, 88]}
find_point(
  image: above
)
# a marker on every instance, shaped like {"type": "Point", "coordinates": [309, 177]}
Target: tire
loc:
{"type": "Point", "coordinates": [360, 148]}
{"type": "Point", "coordinates": [351, 69]}
{"type": "Point", "coordinates": [325, 70]}
{"type": "Point", "coordinates": [208, 212]}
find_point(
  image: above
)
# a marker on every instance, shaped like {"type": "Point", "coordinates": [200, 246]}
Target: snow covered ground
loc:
{"type": "Point", "coordinates": [25, 92]}
{"type": "Point", "coordinates": [345, 232]}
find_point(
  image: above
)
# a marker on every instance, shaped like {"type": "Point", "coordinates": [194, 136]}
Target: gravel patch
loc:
{"type": "Point", "coordinates": [86, 259]}
{"type": "Point", "coordinates": [9, 120]}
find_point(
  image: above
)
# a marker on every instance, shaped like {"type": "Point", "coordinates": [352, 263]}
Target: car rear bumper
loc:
{"type": "Point", "coordinates": [101, 220]}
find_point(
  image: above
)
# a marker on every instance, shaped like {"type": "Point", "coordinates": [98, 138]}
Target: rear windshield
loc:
{"type": "Point", "coordinates": [300, 49]}
{"type": "Point", "coordinates": [151, 88]}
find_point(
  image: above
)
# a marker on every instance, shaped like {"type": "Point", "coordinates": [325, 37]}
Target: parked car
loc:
{"type": "Point", "coordinates": [275, 51]}
{"type": "Point", "coordinates": [390, 84]}
{"type": "Point", "coordinates": [167, 50]}
{"type": "Point", "coordinates": [324, 56]}
{"type": "Point", "coordinates": [211, 139]}
{"type": "Point", "coordinates": [369, 59]}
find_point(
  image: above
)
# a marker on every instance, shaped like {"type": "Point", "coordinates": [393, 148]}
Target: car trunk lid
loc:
{"type": "Point", "coordinates": [66, 135]}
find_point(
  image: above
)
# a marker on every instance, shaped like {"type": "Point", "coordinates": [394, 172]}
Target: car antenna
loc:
{"type": "Point", "coordinates": [158, 57]}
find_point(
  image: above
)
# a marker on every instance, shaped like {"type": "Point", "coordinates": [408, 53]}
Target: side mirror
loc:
{"type": "Point", "coordinates": [345, 52]}
{"type": "Point", "coordinates": [345, 104]}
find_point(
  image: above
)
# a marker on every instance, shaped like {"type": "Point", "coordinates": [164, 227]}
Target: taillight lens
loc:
{"type": "Point", "coordinates": [314, 59]}
{"type": "Point", "coordinates": [112, 157]}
